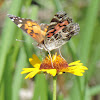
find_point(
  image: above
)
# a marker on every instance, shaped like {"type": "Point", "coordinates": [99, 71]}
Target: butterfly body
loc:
{"type": "Point", "coordinates": [49, 36]}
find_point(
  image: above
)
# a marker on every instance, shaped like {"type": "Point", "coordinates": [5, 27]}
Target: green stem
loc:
{"type": "Point", "coordinates": [54, 87]}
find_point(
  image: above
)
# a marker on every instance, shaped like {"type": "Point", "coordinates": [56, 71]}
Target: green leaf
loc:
{"type": "Point", "coordinates": [40, 88]}
{"type": "Point", "coordinates": [8, 34]}
{"type": "Point", "coordinates": [18, 77]}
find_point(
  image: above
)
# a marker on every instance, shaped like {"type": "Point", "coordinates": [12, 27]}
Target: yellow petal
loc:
{"type": "Point", "coordinates": [75, 63]}
{"type": "Point", "coordinates": [52, 72]}
{"type": "Point", "coordinates": [32, 74]}
{"type": "Point", "coordinates": [35, 61]}
{"type": "Point", "coordinates": [76, 70]}
{"type": "Point", "coordinates": [27, 70]}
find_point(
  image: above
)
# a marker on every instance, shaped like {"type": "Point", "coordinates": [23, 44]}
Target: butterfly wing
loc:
{"type": "Point", "coordinates": [60, 30]}
{"type": "Point", "coordinates": [31, 27]}
{"type": "Point", "coordinates": [60, 21]}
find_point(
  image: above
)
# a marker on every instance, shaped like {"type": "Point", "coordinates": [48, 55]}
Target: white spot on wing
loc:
{"type": "Point", "coordinates": [20, 20]}
{"type": "Point", "coordinates": [19, 25]}
{"type": "Point", "coordinates": [12, 19]}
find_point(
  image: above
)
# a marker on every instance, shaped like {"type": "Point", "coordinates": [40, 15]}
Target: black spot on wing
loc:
{"type": "Point", "coordinates": [55, 20]}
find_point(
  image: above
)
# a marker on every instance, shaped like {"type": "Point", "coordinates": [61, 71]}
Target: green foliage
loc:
{"type": "Point", "coordinates": [14, 55]}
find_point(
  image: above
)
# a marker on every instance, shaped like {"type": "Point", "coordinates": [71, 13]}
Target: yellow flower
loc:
{"type": "Point", "coordinates": [59, 66]}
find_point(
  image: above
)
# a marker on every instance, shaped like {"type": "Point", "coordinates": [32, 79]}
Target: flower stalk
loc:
{"type": "Point", "coordinates": [54, 87]}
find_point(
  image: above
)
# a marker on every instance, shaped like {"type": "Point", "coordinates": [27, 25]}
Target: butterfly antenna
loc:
{"type": "Point", "coordinates": [20, 40]}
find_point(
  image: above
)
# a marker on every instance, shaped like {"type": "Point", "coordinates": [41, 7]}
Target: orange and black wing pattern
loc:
{"type": "Point", "coordinates": [31, 27]}
{"type": "Point", "coordinates": [61, 22]}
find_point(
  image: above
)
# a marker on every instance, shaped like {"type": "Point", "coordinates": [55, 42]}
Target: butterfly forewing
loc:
{"type": "Point", "coordinates": [29, 26]}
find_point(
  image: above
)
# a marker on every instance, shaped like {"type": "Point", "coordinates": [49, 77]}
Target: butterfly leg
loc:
{"type": "Point", "coordinates": [60, 53]}
{"type": "Point", "coordinates": [50, 58]}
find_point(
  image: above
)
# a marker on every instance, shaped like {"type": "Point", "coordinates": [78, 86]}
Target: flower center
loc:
{"type": "Point", "coordinates": [58, 63]}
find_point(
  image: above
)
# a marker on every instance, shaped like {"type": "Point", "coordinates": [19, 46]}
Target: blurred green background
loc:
{"type": "Point", "coordinates": [14, 55]}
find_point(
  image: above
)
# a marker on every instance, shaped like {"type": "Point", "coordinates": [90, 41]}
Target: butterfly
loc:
{"type": "Point", "coordinates": [49, 36]}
